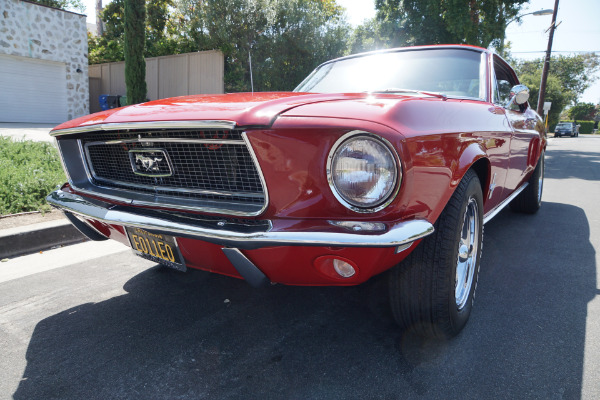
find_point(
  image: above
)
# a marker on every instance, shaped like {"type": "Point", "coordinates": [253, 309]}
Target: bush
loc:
{"type": "Point", "coordinates": [28, 172]}
{"type": "Point", "coordinates": [586, 126]}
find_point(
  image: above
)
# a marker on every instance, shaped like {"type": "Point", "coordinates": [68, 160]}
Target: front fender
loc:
{"type": "Point", "coordinates": [438, 167]}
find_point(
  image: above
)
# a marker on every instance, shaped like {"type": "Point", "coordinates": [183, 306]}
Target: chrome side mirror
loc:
{"type": "Point", "coordinates": [519, 94]}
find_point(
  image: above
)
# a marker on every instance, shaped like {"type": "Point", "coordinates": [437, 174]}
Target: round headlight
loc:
{"type": "Point", "coordinates": [362, 172]}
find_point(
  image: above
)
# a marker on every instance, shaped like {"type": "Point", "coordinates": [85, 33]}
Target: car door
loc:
{"type": "Point", "coordinates": [522, 121]}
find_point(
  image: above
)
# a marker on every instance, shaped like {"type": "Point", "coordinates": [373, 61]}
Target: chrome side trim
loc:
{"type": "Point", "coordinates": [492, 213]}
{"type": "Point", "coordinates": [400, 234]}
{"type": "Point", "coordinates": [225, 125]}
{"type": "Point", "coordinates": [482, 77]}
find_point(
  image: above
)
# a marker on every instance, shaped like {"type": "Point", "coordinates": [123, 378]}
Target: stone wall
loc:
{"type": "Point", "coordinates": [45, 33]}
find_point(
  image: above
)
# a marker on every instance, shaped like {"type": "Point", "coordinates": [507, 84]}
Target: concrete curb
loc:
{"type": "Point", "coordinates": [36, 237]}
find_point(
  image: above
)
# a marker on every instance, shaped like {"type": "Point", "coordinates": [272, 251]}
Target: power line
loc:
{"type": "Point", "coordinates": [557, 51]}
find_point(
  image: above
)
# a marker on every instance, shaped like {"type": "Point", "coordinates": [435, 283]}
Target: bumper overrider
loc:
{"type": "Point", "coordinates": [80, 210]}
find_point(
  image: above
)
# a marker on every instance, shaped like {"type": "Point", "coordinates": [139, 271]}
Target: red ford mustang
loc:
{"type": "Point", "coordinates": [389, 160]}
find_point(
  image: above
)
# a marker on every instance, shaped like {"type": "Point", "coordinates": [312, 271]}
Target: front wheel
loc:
{"type": "Point", "coordinates": [432, 290]}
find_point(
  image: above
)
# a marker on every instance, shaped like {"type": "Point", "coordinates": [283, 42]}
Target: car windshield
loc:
{"type": "Point", "coordinates": [452, 72]}
{"type": "Point", "coordinates": [563, 126]}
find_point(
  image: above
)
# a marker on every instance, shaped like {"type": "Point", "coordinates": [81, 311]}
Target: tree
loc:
{"type": "Point", "coordinates": [113, 16]}
{"type": "Point", "coordinates": [576, 73]}
{"type": "Point", "coordinates": [161, 35]}
{"type": "Point", "coordinates": [554, 93]}
{"type": "Point", "coordinates": [570, 77]}
{"type": "Point", "coordinates": [419, 22]}
{"type": "Point", "coordinates": [101, 50]}
{"type": "Point", "coordinates": [135, 64]}
{"type": "Point", "coordinates": [287, 38]}
{"type": "Point", "coordinates": [582, 112]}
{"type": "Point", "coordinates": [233, 26]}
{"type": "Point", "coordinates": [158, 42]}
{"type": "Point", "coordinates": [301, 34]}
{"type": "Point", "coordinates": [109, 46]}
{"type": "Point", "coordinates": [71, 5]}
{"type": "Point", "coordinates": [370, 35]}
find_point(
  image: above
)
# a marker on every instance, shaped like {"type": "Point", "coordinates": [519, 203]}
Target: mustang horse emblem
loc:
{"type": "Point", "coordinates": [150, 164]}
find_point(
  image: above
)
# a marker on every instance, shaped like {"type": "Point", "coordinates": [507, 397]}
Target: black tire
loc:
{"type": "Point", "coordinates": [556, 135]}
{"type": "Point", "coordinates": [424, 294]}
{"type": "Point", "coordinates": [529, 200]}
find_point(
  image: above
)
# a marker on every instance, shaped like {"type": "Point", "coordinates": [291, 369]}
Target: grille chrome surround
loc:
{"type": "Point", "coordinates": [203, 124]}
{"type": "Point", "coordinates": [211, 175]}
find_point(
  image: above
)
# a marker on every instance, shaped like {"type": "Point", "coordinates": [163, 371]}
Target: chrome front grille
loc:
{"type": "Point", "coordinates": [192, 165]}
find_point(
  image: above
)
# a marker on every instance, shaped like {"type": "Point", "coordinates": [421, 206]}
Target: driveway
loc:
{"type": "Point", "coordinates": [27, 131]}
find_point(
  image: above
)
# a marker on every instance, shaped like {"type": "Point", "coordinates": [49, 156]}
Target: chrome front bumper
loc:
{"type": "Point", "coordinates": [399, 235]}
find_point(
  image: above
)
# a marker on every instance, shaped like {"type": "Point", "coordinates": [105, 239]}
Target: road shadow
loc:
{"type": "Point", "coordinates": [567, 164]}
{"type": "Point", "coordinates": [197, 335]}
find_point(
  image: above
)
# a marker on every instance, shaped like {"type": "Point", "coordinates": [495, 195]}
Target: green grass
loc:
{"type": "Point", "coordinates": [28, 172]}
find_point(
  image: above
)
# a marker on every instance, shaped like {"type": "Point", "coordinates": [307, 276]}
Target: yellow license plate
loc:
{"type": "Point", "coordinates": [156, 247]}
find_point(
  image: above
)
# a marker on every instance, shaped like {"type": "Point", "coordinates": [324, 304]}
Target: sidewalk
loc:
{"type": "Point", "coordinates": [27, 131]}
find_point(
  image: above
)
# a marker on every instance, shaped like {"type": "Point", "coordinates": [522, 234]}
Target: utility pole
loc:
{"type": "Point", "coordinates": [99, 27]}
{"type": "Point", "coordinates": [542, 94]}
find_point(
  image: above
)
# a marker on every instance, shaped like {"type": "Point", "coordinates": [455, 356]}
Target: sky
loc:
{"type": "Point", "coordinates": [579, 29]}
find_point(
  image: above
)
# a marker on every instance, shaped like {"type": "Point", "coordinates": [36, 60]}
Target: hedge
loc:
{"type": "Point", "coordinates": [586, 126]}
{"type": "Point", "coordinates": [28, 172]}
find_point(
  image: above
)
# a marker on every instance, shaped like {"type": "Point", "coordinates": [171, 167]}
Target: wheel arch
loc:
{"type": "Point", "coordinates": [474, 157]}
{"type": "Point", "coordinates": [482, 168]}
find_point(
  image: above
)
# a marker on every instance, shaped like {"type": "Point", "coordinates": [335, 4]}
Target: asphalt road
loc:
{"type": "Point", "coordinates": [92, 321]}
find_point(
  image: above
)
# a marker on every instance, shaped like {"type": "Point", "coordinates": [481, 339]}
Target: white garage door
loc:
{"type": "Point", "coordinates": [32, 90]}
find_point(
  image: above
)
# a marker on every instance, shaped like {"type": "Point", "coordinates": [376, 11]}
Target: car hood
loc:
{"type": "Point", "coordinates": [245, 109]}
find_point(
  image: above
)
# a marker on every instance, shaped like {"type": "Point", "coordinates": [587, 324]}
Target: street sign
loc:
{"type": "Point", "coordinates": [547, 105]}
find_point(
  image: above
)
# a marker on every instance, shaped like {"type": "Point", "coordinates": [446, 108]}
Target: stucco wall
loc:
{"type": "Point", "coordinates": [35, 31]}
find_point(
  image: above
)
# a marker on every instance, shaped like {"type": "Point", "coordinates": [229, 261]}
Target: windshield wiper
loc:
{"type": "Point", "coordinates": [397, 90]}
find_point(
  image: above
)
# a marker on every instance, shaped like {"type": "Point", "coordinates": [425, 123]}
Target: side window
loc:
{"type": "Point", "coordinates": [504, 87]}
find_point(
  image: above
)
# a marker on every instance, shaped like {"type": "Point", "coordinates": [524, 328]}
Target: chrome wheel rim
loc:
{"type": "Point", "coordinates": [468, 248]}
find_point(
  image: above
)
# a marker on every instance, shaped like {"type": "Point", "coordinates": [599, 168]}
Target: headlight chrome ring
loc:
{"type": "Point", "coordinates": [364, 171]}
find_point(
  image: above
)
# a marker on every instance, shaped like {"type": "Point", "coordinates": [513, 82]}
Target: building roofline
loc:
{"type": "Point", "coordinates": [52, 8]}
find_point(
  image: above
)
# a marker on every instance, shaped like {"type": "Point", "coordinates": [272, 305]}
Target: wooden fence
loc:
{"type": "Point", "coordinates": [167, 76]}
